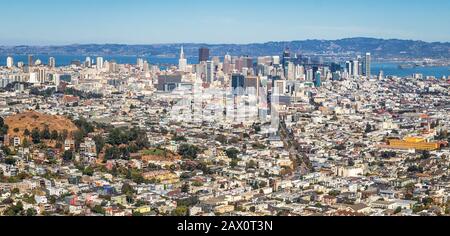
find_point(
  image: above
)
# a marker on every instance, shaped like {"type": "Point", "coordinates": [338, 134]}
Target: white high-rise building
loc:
{"type": "Point", "coordinates": [209, 71]}
{"type": "Point", "coordinates": [88, 62]}
{"type": "Point", "coordinates": [309, 75]}
{"type": "Point", "coordinates": [182, 63]}
{"type": "Point", "coordinates": [381, 75]}
{"type": "Point", "coordinates": [51, 62]}
{"type": "Point", "coordinates": [99, 63]}
{"type": "Point", "coordinates": [368, 66]}
{"type": "Point", "coordinates": [227, 64]}
{"type": "Point", "coordinates": [276, 60]}
{"type": "Point", "coordinates": [145, 66]}
{"type": "Point", "coordinates": [140, 63]}
{"type": "Point", "coordinates": [42, 75]}
{"type": "Point", "coordinates": [291, 71]}
{"type": "Point", "coordinates": [9, 62]}
{"type": "Point", "coordinates": [57, 79]}
{"type": "Point", "coordinates": [355, 68]}
{"type": "Point", "coordinates": [33, 78]}
{"type": "Point", "coordinates": [349, 68]}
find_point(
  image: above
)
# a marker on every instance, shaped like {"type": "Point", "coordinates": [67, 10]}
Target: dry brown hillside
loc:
{"type": "Point", "coordinates": [32, 119]}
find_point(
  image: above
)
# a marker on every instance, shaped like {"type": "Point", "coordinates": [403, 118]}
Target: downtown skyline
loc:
{"type": "Point", "coordinates": [144, 22]}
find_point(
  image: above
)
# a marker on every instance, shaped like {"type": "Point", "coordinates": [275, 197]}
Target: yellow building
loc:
{"type": "Point", "coordinates": [143, 209]}
{"type": "Point", "coordinates": [162, 176]}
{"type": "Point", "coordinates": [416, 143]}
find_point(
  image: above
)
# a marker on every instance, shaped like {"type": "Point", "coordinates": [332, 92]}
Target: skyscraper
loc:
{"type": "Point", "coordinates": [239, 64]}
{"type": "Point", "coordinates": [368, 66]}
{"type": "Point", "coordinates": [182, 62]}
{"type": "Point", "coordinates": [309, 75]}
{"type": "Point", "coordinates": [51, 62]}
{"type": "Point", "coordinates": [203, 54]}
{"type": "Point", "coordinates": [140, 63]}
{"type": "Point", "coordinates": [227, 64]}
{"type": "Point", "coordinates": [285, 61]}
{"type": "Point", "coordinates": [237, 83]}
{"type": "Point", "coordinates": [355, 65]}
{"type": "Point", "coordinates": [30, 60]}
{"type": "Point", "coordinates": [99, 63]}
{"type": "Point", "coordinates": [349, 68]}
{"type": "Point", "coordinates": [209, 72]}
{"type": "Point", "coordinates": [9, 62]}
{"type": "Point", "coordinates": [42, 75]}
{"type": "Point", "coordinates": [318, 79]}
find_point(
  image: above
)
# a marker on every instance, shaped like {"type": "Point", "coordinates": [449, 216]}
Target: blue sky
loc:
{"type": "Point", "coordinates": [46, 22]}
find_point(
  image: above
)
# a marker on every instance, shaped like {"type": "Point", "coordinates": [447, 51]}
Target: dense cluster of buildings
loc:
{"type": "Point", "coordinates": [275, 135]}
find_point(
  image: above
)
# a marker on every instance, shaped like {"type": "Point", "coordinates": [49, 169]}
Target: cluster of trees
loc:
{"type": "Point", "coordinates": [257, 127]}
{"type": "Point", "coordinates": [369, 128]}
{"type": "Point", "coordinates": [183, 206]}
{"type": "Point", "coordinates": [84, 128]}
{"type": "Point", "coordinates": [38, 135]}
{"type": "Point", "coordinates": [179, 138]}
{"type": "Point", "coordinates": [425, 155]}
{"type": "Point", "coordinates": [68, 156]}
{"type": "Point", "coordinates": [388, 154]}
{"type": "Point", "coordinates": [121, 136]}
{"type": "Point", "coordinates": [415, 169]}
{"type": "Point", "coordinates": [43, 93]}
{"type": "Point", "coordinates": [115, 152]}
{"type": "Point", "coordinates": [232, 153]}
{"type": "Point", "coordinates": [119, 143]}
{"type": "Point", "coordinates": [122, 142]}
{"type": "Point", "coordinates": [3, 127]}
{"type": "Point", "coordinates": [129, 191]}
{"type": "Point", "coordinates": [82, 94]}
{"type": "Point", "coordinates": [68, 91]}
{"type": "Point", "coordinates": [224, 140]}
{"type": "Point", "coordinates": [18, 210]}
{"type": "Point", "coordinates": [442, 135]}
{"type": "Point", "coordinates": [194, 165]}
{"type": "Point", "coordinates": [188, 151]}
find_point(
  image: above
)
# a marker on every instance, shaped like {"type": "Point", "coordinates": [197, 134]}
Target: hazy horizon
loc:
{"type": "Point", "coordinates": [218, 43]}
{"type": "Point", "coordinates": [140, 22]}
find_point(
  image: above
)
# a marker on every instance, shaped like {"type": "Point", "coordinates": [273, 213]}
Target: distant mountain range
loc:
{"type": "Point", "coordinates": [380, 48]}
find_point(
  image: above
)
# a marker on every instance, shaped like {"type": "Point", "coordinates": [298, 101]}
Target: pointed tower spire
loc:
{"type": "Point", "coordinates": [182, 52]}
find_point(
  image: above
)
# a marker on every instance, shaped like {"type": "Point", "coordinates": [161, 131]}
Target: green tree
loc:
{"type": "Point", "coordinates": [188, 151]}
{"type": "Point", "coordinates": [36, 136]}
{"type": "Point", "coordinates": [233, 163]}
{"type": "Point", "coordinates": [98, 209]}
{"type": "Point", "coordinates": [45, 133]}
{"type": "Point", "coordinates": [180, 211]}
{"type": "Point", "coordinates": [54, 135]}
{"type": "Point", "coordinates": [232, 153]}
{"type": "Point", "coordinates": [15, 191]}
{"type": "Point", "coordinates": [31, 212]}
{"type": "Point", "coordinates": [10, 161]}
{"type": "Point", "coordinates": [15, 210]}
{"type": "Point", "coordinates": [3, 127]}
{"type": "Point", "coordinates": [99, 143]}
{"type": "Point", "coordinates": [89, 171]}
{"type": "Point", "coordinates": [252, 164]}
{"type": "Point", "coordinates": [68, 156]}
{"type": "Point", "coordinates": [65, 134]}
{"type": "Point", "coordinates": [185, 188]}
{"type": "Point", "coordinates": [112, 153]}
{"type": "Point", "coordinates": [127, 189]}
{"type": "Point", "coordinates": [425, 155]}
